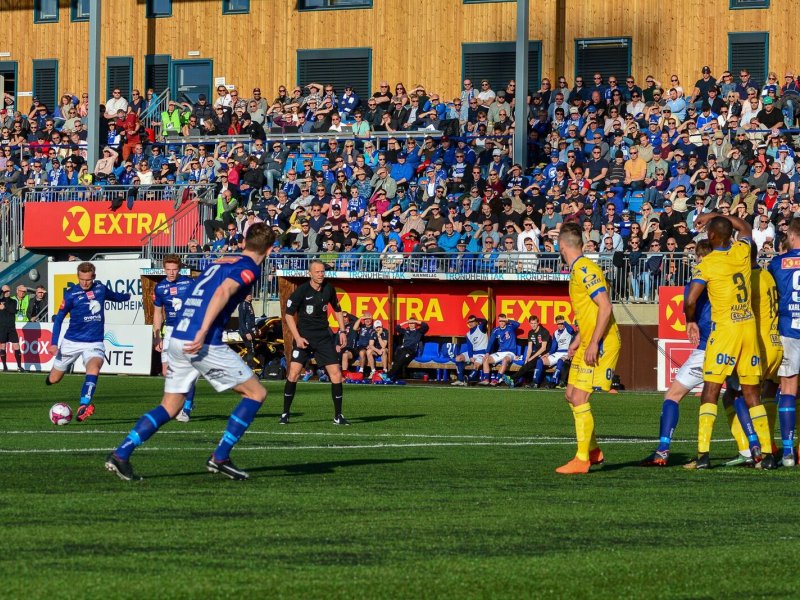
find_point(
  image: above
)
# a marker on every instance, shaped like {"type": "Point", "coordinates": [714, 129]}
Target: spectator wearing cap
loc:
{"type": "Point", "coordinates": [770, 117]}
{"type": "Point", "coordinates": [790, 93]}
{"type": "Point", "coordinates": [306, 238]}
{"type": "Point", "coordinates": [669, 217]}
{"type": "Point", "coordinates": [786, 160]}
{"type": "Point", "coordinates": [401, 172]}
{"type": "Point", "coordinates": [382, 181]}
{"type": "Point", "coordinates": [701, 87]}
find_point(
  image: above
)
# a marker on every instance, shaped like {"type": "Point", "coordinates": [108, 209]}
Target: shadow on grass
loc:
{"type": "Point", "coordinates": [312, 468]}
{"type": "Point", "coordinates": [675, 461]}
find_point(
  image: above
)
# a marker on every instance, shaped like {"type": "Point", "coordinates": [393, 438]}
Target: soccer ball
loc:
{"type": "Point", "coordinates": [60, 414]}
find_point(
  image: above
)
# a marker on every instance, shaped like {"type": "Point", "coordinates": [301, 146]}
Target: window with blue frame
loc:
{"type": "Point", "coordinates": [235, 7]}
{"type": "Point", "coordinates": [45, 11]}
{"type": "Point", "coordinates": [739, 4]}
{"type": "Point", "coordinates": [332, 4]}
{"type": "Point", "coordinates": [80, 10]}
{"type": "Point", "coordinates": [159, 8]}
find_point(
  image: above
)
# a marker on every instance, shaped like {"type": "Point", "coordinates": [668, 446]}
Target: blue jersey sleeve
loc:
{"type": "Point", "coordinates": [58, 320]}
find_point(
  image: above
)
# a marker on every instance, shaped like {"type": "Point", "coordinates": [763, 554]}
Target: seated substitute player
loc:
{"type": "Point", "coordinates": [307, 320]}
{"type": "Point", "coordinates": [196, 348]}
{"type": "Point", "coordinates": [379, 348]}
{"type": "Point", "coordinates": [558, 357]}
{"type": "Point", "coordinates": [765, 309]}
{"type": "Point", "coordinates": [733, 344]}
{"type": "Point", "coordinates": [785, 268]}
{"type": "Point", "coordinates": [85, 305]}
{"type": "Point", "coordinates": [168, 298]}
{"type": "Point", "coordinates": [477, 343]}
{"type": "Point", "coordinates": [595, 348]}
{"type": "Point", "coordinates": [505, 335]}
{"type": "Point", "coordinates": [688, 377]}
{"type": "Point", "coordinates": [412, 332]}
{"type": "Point", "coordinates": [538, 343]}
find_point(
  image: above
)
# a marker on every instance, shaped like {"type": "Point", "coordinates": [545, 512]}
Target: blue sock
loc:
{"type": "Point", "coordinates": [670, 411]}
{"type": "Point", "coordinates": [460, 371]}
{"type": "Point", "coordinates": [474, 375]}
{"type": "Point", "coordinates": [786, 417]}
{"type": "Point", "coordinates": [142, 431]}
{"type": "Point", "coordinates": [538, 371]}
{"type": "Point", "coordinates": [558, 369]}
{"type": "Point", "coordinates": [188, 403]}
{"type": "Point", "coordinates": [747, 423]}
{"type": "Point", "coordinates": [87, 391]}
{"type": "Point", "coordinates": [240, 420]}
{"type": "Point", "coordinates": [484, 376]}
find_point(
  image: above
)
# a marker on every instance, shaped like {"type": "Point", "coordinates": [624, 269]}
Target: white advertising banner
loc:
{"type": "Point", "coordinates": [118, 275]}
{"type": "Point", "coordinates": [128, 349]}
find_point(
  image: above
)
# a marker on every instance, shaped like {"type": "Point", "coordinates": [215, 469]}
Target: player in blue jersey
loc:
{"type": "Point", "coordinates": [477, 344]}
{"type": "Point", "coordinates": [168, 298]}
{"type": "Point", "coordinates": [505, 335]}
{"type": "Point", "coordinates": [688, 377]}
{"type": "Point", "coordinates": [196, 348]}
{"type": "Point", "coordinates": [785, 268]}
{"type": "Point", "coordinates": [559, 351]}
{"type": "Point", "coordinates": [85, 305]}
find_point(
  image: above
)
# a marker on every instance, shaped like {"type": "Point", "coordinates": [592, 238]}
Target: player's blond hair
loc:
{"type": "Point", "coordinates": [702, 248]}
{"type": "Point", "coordinates": [571, 234]}
{"type": "Point", "coordinates": [87, 267]}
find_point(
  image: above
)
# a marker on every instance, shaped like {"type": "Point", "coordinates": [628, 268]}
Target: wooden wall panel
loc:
{"type": "Point", "coordinates": [413, 41]}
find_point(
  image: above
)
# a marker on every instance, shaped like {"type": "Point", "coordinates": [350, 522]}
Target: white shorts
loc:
{"type": "Point", "coordinates": [475, 358]}
{"type": "Point", "coordinates": [165, 343]}
{"type": "Point", "coordinates": [690, 375]}
{"type": "Point", "coordinates": [498, 357]}
{"type": "Point", "coordinates": [552, 359]}
{"type": "Point", "coordinates": [790, 366]}
{"type": "Point", "coordinates": [219, 365]}
{"type": "Point", "coordinates": [69, 352]}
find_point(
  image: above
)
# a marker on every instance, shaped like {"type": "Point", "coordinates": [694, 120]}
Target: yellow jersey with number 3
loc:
{"type": "Point", "coordinates": [726, 274]}
{"type": "Point", "coordinates": [585, 282]}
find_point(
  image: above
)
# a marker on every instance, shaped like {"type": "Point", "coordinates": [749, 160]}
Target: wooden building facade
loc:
{"type": "Point", "coordinates": [187, 44]}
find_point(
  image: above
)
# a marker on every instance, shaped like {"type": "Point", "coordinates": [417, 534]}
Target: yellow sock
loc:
{"type": "Point", "coordinates": [761, 425]}
{"type": "Point", "coordinates": [708, 414]}
{"type": "Point", "coordinates": [736, 430]}
{"type": "Point", "coordinates": [593, 445]}
{"type": "Point", "coordinates": [584, 429]}
{"type": "Point", "coordinates": [772, 413]}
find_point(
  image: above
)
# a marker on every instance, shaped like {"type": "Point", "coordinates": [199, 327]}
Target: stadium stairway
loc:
{"type": "Point", "coordinates": [19, 271]}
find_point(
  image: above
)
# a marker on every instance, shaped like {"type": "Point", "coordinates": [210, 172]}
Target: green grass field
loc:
{"type": "Point", "coordinates": [433, 492]}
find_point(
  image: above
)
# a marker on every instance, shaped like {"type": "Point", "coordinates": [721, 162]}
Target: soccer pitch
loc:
{"type": "Point", "coordinates": [433, 492]}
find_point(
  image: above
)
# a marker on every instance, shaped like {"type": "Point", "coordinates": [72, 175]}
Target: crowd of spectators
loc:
{"type": "Point", "coordinates": [633, 164]}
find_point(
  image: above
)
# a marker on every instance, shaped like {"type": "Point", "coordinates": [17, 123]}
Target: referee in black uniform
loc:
{"type": "Point", "coordinates": [311, 334]}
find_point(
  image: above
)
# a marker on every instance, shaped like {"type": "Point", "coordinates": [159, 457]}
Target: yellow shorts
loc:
{"type": "Point", "coordinates": [771, 351]}
{"type": "Point", "coordinates": [733, 348]}
{"type": "Point", "coordinates": [589, 379]}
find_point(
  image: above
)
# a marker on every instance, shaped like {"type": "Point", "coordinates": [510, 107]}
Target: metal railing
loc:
{"type": "Point", "coordinates": [11, 221]}
{"type": "Point", "coordinates": [185, 225]}
{"type": "Point", "coordinates": [117, 193]}
{"type": "Point", "coordinates": [154, 109]}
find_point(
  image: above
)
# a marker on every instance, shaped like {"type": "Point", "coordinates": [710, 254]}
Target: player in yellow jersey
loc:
{"type": "Point", "coordinates": [595, 349]}
{"type": "Point", "coordinates": [733, 345]}
{"type": "Point", "coordinates": [765, 309]}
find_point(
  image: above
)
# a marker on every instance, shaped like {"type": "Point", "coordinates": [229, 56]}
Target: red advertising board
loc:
{"type": "Point", "coordinates": [444, 306]}
{"type": "Point", "coordinates": [36, 344]}
{"type": "Point", "coordinates": [672, 355]}
{"type": "Point", "coordinates": [671, 320]}
{"type": "Point", "coordinates": [94, 224]}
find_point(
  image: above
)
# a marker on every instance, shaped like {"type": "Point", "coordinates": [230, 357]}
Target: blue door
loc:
{"type": "Point", "coordinates": [190, 78]}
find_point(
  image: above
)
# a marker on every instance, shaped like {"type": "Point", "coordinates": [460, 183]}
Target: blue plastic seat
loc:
{"type": "Point", "coordinates": [522, 351]}
{"type": "Point", "coordinates": [429, 353]}
{"type": "Point", "coordinates": [447, 353]}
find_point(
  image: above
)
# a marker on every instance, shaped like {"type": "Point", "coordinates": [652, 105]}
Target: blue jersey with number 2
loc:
{"type": "Point", "coordinates": [241, 269]}
{"type": "Point", "coordinates": [785, 268]}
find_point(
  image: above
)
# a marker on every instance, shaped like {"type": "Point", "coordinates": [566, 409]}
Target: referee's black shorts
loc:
{"type": "Point", "coordinates": [322, 348]}
{"type": "Point", "coordinates": [8, 333]}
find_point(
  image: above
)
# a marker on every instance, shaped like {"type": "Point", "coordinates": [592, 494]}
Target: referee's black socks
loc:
{"type": "Point", "coordinates": [336, 395]}
{"type": "Point", "coordinates": [288, 395]}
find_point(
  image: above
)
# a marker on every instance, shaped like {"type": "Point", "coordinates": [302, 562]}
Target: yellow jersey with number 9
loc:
{"type": "Point", "coordinates": [585, 282]}
{"type": "Point", "coordinates": [726, 275]}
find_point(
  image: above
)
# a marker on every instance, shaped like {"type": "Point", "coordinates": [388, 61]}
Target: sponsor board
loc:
{"type": "Point", "coordinates": [119, 275]}
{"type": "Point", "coordinates": [671, 356]}
{"type": "Point", "coordinates": [391, 275]}
{"type": "Point", "coordinates": [671, 320]}
{"type": "Point", "coordinates": [128, 349]}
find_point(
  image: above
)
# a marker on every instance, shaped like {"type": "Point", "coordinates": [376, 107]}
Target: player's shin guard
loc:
{"type": "Point", "coordinates": [288, 395]}
{"type": "Point", "coordinates": [240, 420]}
{"type": "Point", "coordinates": [188, 402]}
{"type": "Point", "coordinates": [460, 371]}
{"type": "Point", "coordinates": [670, 411]}
{"type": "Point", "coordinates": [142, 431]}
{"type": "Point", "coordinates": [705, 425]}
{"type": "Point", "coordinates": [758, 415]}
{"type": "Point", "coordinates": [786, 415]}
{"type": "Point", "coordinates": [88, 389]}
{"type": "Point", "coordinates": [584, 429]}
{"type": "Point", "coordinates": [336, 396]}
{"type": "Point", "coordinates": [737, 432]}
{"type": "Point", "coordinates": [558, 370]}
